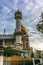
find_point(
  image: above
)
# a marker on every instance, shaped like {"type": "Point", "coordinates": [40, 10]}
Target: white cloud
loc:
{"type": "Point", "coordinates": [36, 41]}
{"type": "Point", "coordinates": [39, 2]}
{"type": "Point", "coordinates": [37, 45]}
{"type": "Point", "coordinates": [6, 10]}
{"type": "Point", "coordinates": [26, 1]}
{"type": "Point", "coordinates": [14, 4]}
{"type": "Point", "coordinates": [16, 1]}
{"type": "Point", "coordinates": [31, 12]}
{"type": "Point", "coordinates": [28, 5]}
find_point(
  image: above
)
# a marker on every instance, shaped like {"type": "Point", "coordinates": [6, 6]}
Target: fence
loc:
{"type": "Point", "coordinates": [17, 60]}
{"type": "Point", "coordinates": [22, 62]}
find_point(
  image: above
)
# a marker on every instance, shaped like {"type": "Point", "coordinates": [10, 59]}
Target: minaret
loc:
{"type": "Point", "coordinates": [18, 17]}
{"type": "Point", "coordinates": [1, 52]}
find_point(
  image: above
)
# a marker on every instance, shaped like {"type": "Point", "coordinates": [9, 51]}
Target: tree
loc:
{"type": "Point", "coordinates": [39, 26]}
{"type": "Point", "coordinates": [8, 51]}
{"type": "Point", "coordinates": [38, 53]}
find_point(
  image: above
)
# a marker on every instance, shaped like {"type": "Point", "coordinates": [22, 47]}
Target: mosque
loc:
{"type": "Point", "coordinates": [19, 40]}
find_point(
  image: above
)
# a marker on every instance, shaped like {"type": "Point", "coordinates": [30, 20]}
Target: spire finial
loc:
{"type": "Point", "coordinates": [4, 31]}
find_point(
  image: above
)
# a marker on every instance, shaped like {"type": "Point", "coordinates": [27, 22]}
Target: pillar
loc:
{"type": "Point", "coordinates": [1, 59]}
{"type": "Point", "coordinates": [18, 33]}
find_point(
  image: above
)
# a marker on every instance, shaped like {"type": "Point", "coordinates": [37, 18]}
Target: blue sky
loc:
{"type": "Point", "coordinates": [31, 10]}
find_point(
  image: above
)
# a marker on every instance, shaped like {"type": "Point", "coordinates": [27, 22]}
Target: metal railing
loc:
{"type": "Point", "coordinates": [22, 62]}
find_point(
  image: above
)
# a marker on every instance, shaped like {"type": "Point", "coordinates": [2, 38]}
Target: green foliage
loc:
{"type": "Point", "coordinates": [39, 26]}
{"type": "Point", "coordinates": [38, 53]}
{"type": "Point", "coordinates": [39, 64]}
{"type": "Point", "coordinates": [8, 51]}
